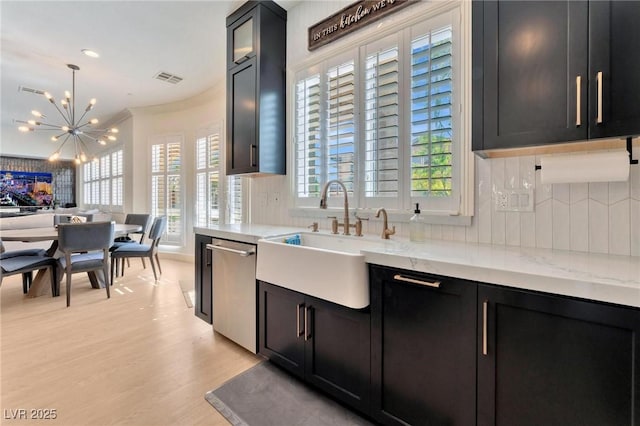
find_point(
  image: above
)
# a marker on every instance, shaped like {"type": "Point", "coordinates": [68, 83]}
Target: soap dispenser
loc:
{"type": "Point", "coordinates": [417, 226]}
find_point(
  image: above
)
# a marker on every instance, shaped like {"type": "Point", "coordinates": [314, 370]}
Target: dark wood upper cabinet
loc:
{"type": "Point", "coordinates": [256, 79]}
{"type": "Point", "coordinates": [536, 68]}
{"type": "Point", "coordinates": [614, 43]}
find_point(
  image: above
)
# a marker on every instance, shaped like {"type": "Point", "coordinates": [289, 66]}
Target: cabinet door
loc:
{"type": "Point", "coordinates": [337, 353]}
{"type": "Point", "coordinates": [614, 43]}
{"type": "Point", "coordinates": [423, 349]}
{"type": "Point", "coordinates": [527, 57]}
{"type": "Point", "coordinates": [550, 360]}
{"type": "Point", "coordinates": [241, 39]}
{"type": "Point", "coordinates": [203, 279]}
{"type": "Point", "coordinates": [281, 325]}
{"type": "Point", "coordinates": [241, 115]}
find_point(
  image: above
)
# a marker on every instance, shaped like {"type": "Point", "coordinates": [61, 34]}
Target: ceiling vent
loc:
{"type": "Point", "coordinates": [30, 90]}
{"type": "Point", "coordinates": [168, 77]}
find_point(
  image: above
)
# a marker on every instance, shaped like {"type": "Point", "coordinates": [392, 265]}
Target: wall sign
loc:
{"type": "Point", "coordinates": [352, 18]}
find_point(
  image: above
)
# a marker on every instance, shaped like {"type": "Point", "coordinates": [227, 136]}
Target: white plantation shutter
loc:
{"type": "Point", "coordinates": [209, 185]}
{"type": "Point", "coordinates": [166, 186]}
{"type": "Point", "coordinates": [381, 123]}
{"type": "Point", "coordinates": [308, 146]}
{"type": "Point", "coordinates": [341, 125]}
{"type": "Point", "coordinates": [103, 182]}
{"type": "Point", "coordinates": [234, 200]}
{"type": "Point", "coordinates": [434, 143]}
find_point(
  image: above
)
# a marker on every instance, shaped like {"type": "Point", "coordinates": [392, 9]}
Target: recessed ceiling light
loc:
{"type": "Point", "coordinates": [90, 53]}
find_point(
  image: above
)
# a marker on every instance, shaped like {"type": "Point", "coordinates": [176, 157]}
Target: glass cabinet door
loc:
{"type": "Point", "coordinates": [243, 41]}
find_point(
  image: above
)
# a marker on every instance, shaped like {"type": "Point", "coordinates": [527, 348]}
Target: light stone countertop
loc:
{"type": "Point", "coordinates": [599, 277]}
{"type": "Point", "coordinates": [245, 232]}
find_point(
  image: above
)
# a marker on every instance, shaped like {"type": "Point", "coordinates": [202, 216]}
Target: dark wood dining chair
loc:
{"type": "Point", "coordinates": [149, 251]}
{"type": "Point", "coordinates": [24, 262]}
{"type": "Point", "coordinates": [86, 249]}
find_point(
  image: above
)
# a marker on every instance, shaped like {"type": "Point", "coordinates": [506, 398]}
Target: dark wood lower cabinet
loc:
{"type": "Point", "coordinates": [550, 360]}
{"type": "Point", "coordinates": [325, 344]}
{"type": "Point", "coordinates": [423, 340]}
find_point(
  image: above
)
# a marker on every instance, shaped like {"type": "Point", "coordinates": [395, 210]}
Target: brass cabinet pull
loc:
{"type": "Point", "coordinates": [599, 84]}
{"type": "Point", "coordinates": [578, 101]}
{"type": "Point", "coordinates": [399, 277]}
{"type": "Point", "coordinates": [299, 332]}
{"type": "Point", "coordinates": [485, 308]}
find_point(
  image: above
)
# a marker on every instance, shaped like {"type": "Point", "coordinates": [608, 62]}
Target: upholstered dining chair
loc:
{"type": "Point", "coordinates": [144, 220]}
{"type": "Point", "coordinates": [25, 262]}
{"type": "Point", "coordinates": [85, 247]}
{"type": "Point", "coordinates": [149, 251]}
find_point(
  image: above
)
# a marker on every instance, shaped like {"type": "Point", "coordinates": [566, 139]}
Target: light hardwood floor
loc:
{"type": "Point", "coordinates": [139, 358]}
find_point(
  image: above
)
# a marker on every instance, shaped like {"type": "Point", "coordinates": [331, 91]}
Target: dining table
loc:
{"type": "Point", "coordinates": [41, 282]}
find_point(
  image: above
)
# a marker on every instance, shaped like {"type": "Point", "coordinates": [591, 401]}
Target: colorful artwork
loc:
{"type": "Point", "coordinates": [25, 189]}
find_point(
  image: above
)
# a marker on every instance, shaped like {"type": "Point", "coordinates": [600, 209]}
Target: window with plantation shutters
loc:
{"type": "Point", "coordinates": [166, 186]}
{"type": "Point", "coordinates": [388, 122]}
{"type": "Point", "coordinates": [103, 181]}
{"type": "Point", "coordinates": [210, 189]}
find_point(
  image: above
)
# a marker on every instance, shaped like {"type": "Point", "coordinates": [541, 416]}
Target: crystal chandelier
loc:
{"type": "Point", "coordinates": [73, 127]}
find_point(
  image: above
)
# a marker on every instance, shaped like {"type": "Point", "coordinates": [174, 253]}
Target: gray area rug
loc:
{"type": "Point", "coordinates": [264, 395]}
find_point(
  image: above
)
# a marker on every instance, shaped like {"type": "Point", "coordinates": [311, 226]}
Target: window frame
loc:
{"type": "Point", "coordinates": [458, 15]}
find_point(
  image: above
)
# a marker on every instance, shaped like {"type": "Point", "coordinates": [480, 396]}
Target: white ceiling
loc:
{"type": "Point", "coordinates": [135, 40]}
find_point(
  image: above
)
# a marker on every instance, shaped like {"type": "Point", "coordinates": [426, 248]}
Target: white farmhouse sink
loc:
{"type": "Point", "coordinates": [329, 267]}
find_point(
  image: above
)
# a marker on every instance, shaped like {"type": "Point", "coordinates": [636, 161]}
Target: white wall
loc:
{"type": "Point", "coordinates": [184, 118]}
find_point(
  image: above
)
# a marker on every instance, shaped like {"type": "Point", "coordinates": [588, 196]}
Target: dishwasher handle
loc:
{"type": "Point", "coordinates": [243, 253]}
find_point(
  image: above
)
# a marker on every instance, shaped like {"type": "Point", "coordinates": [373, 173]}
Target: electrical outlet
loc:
{"type": "Point", "coordinates": [502, 201]}
{"type": "Point", "coordinates": [514, 200]}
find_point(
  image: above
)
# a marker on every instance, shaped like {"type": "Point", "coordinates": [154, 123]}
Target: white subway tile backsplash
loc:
{"type": "Point", "coordinates": [512, 226]}
{"type": "Point", "coordinates": [562, 192]}
{"type": "Point", "coordinates": [561, 223]}
{"type": "Point", "coordinates": [579, 224]}
{"type": "Point", "coordinates": [579, 192]}
{"type": "Point", "coordinates": [634, 233]}
{"type": "Point", "coordinates": [598, 227]}
{"type": "Point", "coordinates": [528, 229]}
{"type": "Point", "coordinates": [618, 191]}
{"type": "Point", "coordinates": [544, 224]}
{"type": "Point", "coordinates": [599, 191]}
{"type": "Point", "coordinates": [527, 172]}
{"type": "Point", "coordinates": [619, 225]}
{"type": "Point", "coordinates": [588, 217]}
{"type": "Point", "coordinates": [512, 173]}
{"type": "Point", "coordinates": [498, 228]}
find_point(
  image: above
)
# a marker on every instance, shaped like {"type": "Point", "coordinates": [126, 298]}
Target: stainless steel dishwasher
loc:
{"type": "Point", "coordinates": [234, 291]}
